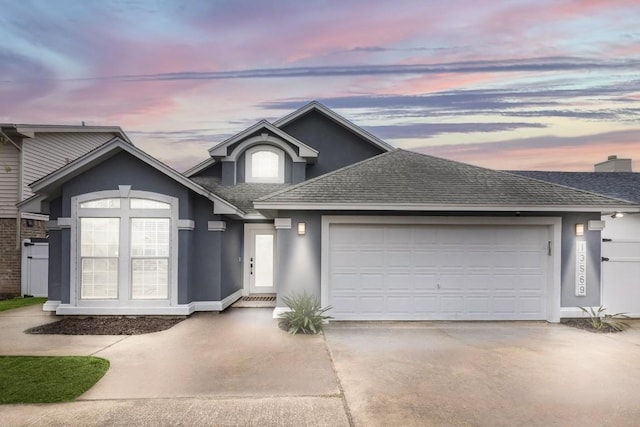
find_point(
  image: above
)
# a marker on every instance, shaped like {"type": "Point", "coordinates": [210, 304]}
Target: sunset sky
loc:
{"type": "Point", "coordinates": [522, 84]}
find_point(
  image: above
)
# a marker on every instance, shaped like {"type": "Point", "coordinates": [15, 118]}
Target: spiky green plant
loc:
{"type": "Point", "coordinates": [305, 314]}
{"type": "Point", "coordinates": [599, 320]}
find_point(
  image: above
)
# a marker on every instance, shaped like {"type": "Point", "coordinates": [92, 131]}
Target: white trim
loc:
{"type": "Point", "coordinates": [186, 224]}
{"type": "Point", "coordinates": [124, 190]}
{"type": "Point", "coordinates": [177, 310]}
{"type": "Point", "coordinates": [248, 164]}
{"type": "Point", "coordinates": [34, 216]}
{"type": "Point", "coordinates": [555, 236]}
{"type": "Point", "coordinates": [221, 150]}
{"type": "Point", "coordinates": [216, 305]}
{"type": "Point", "coordinates": [280, 310]}
{"type": "Point", "coordinates": [315, 105]}
{"type": "Point", "coordinates": [216, 226]}
{"type": "Point", "coordinates": [262, 140]}
{"type": "Point", "coordinates": [52, 225]}
{"type": "Point", "coordinates": [282, 223]}
{"type": "Point", "coordinates": [29, 131]}
{"type": "Point", "coordinates": [123, 302]}
{"type": "Point", "coordinates": [248, 227]}
{"type": "Point", "coordinates": [51, 305]}
{"type": "Point", "coordinates": [594, 225]}
{"type": "Point", "coordinates": [64, 222]}
{"type": "Point", "coordinates": [429, 207]}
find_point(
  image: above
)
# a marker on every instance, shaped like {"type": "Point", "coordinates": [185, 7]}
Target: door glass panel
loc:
{"type": "Point", "coordinates": [264, 260]}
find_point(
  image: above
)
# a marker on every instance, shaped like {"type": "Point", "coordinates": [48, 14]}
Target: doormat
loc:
{"type": "Point", "coordinates": [259, 298]}
{"type": "Point", "coordinates": [256, 301]}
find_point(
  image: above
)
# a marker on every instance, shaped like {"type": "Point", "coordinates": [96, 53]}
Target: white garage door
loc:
{"type": "Point", "coordinates": [411, 272]}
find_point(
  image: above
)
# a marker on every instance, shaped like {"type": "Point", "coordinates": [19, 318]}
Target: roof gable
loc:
{"type": "Point", "coordinates": [403, 180]}
{"type": "Point", "coordinates": [225, 148]}
{"type": "Point", "coordinates": [318, 107]}
{"type": "Point", "coordinates": [50, 184]}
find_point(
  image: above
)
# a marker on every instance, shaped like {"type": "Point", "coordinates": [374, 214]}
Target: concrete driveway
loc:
{"type": "Point", "coordinates": [238, 368]}
{"type": "Point", "coordinates": [486, 374]}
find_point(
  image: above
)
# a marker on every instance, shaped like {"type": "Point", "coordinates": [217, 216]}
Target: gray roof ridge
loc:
{"type": "Point", "coordinates": [317, 178]}
{"type": "Point", "coordinates": [593, 193]}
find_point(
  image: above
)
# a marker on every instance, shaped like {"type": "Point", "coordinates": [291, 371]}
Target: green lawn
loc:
{"type": "Point", "coordinates": [33, 379]}
{"type": "Point", "coordinates": [8, 304]}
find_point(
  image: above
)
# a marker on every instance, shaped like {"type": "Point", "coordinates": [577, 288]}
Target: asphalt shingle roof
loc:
{"type": "Point", "coordinates": [404, 177]}
{"type": "Point", "coordinates": [622, 185]}
{"type": "Point", "coordinates": [240, 195]}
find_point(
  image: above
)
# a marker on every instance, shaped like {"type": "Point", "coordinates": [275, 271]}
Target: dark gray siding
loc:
{"type": "Point", "coordinates": [55, 254]}
{"type": "Point", "coordinates": [205, 258]}
{"type": "Point", "coordinates": [124, 169]}
{"type": "Point", "coordinates": [337, 146]}
{"type": "Point", "coordinates": [232, 242]}
{"type": "Point", "coordinates": [199, 250]}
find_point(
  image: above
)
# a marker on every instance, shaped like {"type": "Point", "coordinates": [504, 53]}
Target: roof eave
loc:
{"type": "Point", "coordinates": [266, 205]}
{"type": "Point", "coordinates": [29, 131]}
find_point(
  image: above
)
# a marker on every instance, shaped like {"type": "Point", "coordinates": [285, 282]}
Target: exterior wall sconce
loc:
{"type": "Point", "coordinates": [302, 228]}
{"type": "Point", "coordinates": [617, 215]}
{"type": "Point", "coordinates": [579, 229]}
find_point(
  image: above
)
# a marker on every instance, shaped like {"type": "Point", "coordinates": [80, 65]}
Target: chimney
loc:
{"type": "Point", "coordinates": [613, 164]}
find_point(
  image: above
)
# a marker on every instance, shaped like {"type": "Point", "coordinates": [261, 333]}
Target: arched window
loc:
{"type": "Point", "coordinates": [264, 163]}
{"type": "Point", "coordinates": [125, 247]}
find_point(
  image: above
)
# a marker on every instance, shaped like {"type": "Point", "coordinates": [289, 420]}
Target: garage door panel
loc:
{"type": "Point", "coordinates": [398, 258]}
{"type": "Point", "coordinates": [439, 272]}
{"type": "Point", "coordinates": [530, 305]}
{"type": "Point", "coordinates": [371, 257]}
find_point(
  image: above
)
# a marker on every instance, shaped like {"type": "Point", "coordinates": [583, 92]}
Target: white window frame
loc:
{"type": "Point", "coordinates": [124, 264]}
{"type": "Point", "coordinates": [248, 161]}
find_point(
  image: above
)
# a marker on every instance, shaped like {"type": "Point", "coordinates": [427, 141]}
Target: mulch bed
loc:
{"type": "Point", "coordinates": [586, 325]}
{"type": "Point", "coordinates": [107, 325]}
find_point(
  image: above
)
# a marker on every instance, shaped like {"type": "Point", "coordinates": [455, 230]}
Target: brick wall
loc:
{"type": "Point", "coordinates": [10, 256]}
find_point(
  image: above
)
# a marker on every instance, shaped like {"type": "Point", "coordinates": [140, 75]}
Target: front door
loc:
{"type": "Point", "coordinates": [258, 259]}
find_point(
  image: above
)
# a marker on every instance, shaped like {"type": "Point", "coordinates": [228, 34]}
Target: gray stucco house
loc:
{"type": "Point", "coordinates": [314, 203]}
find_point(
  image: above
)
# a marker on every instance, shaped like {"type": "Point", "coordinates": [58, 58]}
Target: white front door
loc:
{"type": "Point", "coordinates": [259, 260]}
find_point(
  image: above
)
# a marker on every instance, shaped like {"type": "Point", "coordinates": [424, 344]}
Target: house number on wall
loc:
{"type": "Point", "coordinates": [581, 269]}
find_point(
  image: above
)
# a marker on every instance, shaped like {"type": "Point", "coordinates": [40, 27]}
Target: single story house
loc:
{"type": "Point", "coordinates": [620, 270]}
{"type": "Point", "coordinates": [313, 203]}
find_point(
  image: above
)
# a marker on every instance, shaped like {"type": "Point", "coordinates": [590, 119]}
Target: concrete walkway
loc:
{"type": "Point", "coordinates": [232, 368]}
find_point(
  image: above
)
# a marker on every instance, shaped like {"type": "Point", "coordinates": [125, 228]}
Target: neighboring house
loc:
{"type": "Point", "coordinates": [27, 153]}
{"type": "Point", "coordinates": [621, 234]}
{"type": "Point", "coordinates": [312, 203]}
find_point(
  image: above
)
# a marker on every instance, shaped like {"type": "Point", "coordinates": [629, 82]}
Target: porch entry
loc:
{"type": "Point", "coordinates": [259, 244]}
